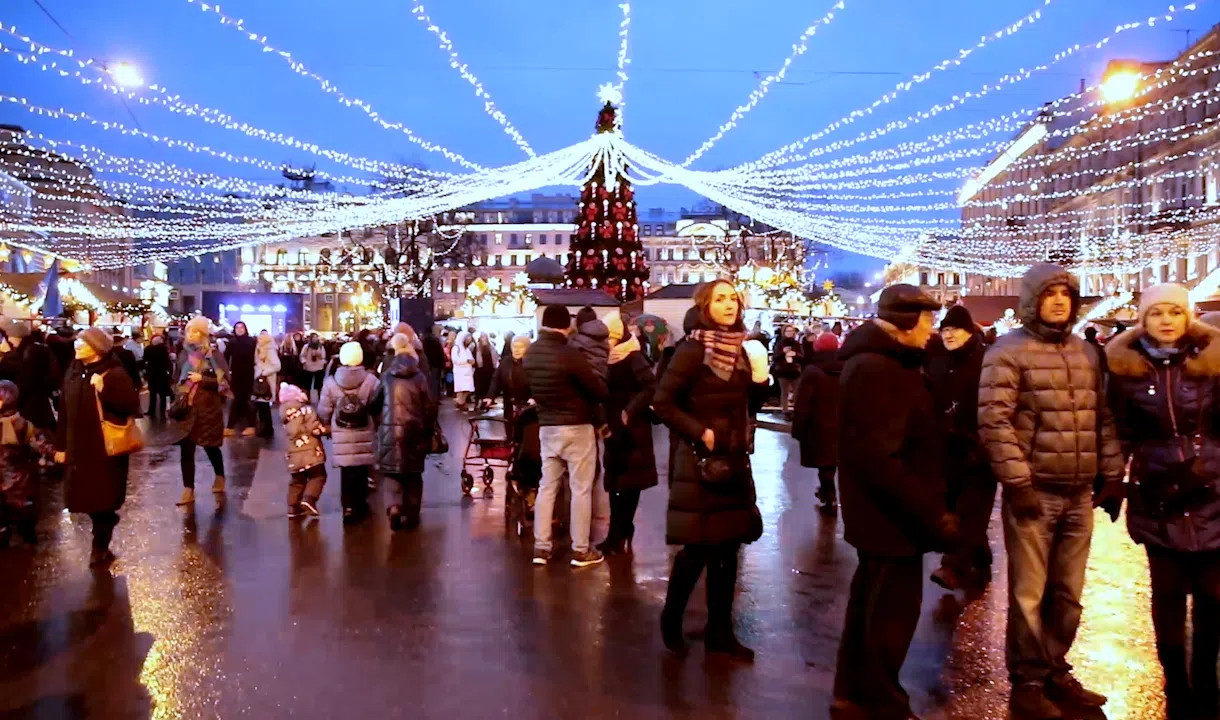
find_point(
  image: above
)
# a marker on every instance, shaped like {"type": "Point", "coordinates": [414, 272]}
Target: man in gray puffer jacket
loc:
{"type": "Point", "coordinates": [1049, 437]}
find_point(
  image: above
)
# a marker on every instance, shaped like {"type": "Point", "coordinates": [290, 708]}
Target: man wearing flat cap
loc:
{"type": "Point", "coordinates": [893, 496]}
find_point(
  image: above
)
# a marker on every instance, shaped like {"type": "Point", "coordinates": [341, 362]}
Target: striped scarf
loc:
{"type": "Point", "coordinates": [721, 350]}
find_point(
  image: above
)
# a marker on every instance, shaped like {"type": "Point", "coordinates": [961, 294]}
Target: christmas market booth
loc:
{"type": "Point", "coordinates": [83, 303]}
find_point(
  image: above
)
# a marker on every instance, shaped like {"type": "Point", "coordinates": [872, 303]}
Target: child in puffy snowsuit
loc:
{"type": "Point", "coordinates": [306, 456]}
{"type": "Point", "coordinates": [21, 445]}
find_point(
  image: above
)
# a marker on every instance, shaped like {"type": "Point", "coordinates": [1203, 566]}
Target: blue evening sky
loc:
{"type": "Point", "coordinates": [542, 61]}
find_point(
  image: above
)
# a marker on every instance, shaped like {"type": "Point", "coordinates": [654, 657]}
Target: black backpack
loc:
{"type": "Point", "coordinates": [351, 413]}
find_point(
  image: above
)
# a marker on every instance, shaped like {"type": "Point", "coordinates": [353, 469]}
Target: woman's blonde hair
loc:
{"type": "Point", "coordinates": [402, 345]}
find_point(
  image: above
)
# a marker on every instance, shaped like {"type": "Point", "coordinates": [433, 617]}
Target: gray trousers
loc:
{"type": "Point", "coordinates": [570, 448]}
{"type": "Point", "coordinates": [1046, 568]}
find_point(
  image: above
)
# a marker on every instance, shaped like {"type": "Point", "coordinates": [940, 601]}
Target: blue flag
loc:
{"type": "Point", "coordinates": [52, 306]}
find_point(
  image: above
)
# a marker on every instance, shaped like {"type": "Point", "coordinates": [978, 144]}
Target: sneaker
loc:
{"type": "Point", "coordinates": [1065, 689]}
{"type": "Point", "coordinates": [229, 432]}
{"type": "Point", "coordinates": [542, 557]}
{"type": "Point", "coordinates": [310, 506]}
{"type": "Point", "coordinates": [1029, 700]}
{"type": "Point", "coordinates": [295, 511]}
{"type": "Point", "coordinates": [587, 558]}
{"type": "Point", "coordinates": [247, 432]}
{"type": "Point", "coordinates": [946, 578]}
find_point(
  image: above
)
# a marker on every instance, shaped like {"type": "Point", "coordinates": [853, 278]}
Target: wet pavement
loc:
{"type": "Point", "coordinates": [238, 612]}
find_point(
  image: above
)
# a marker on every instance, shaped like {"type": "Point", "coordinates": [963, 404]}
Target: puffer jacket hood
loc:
{"type": "Point", "coordinates": [871, 337]}
{"type": "Point", "coordinates": [1036, 281]}
{"type": "Point", "coordinates": [349, 377]}
{"type": "Point", "coordinates": [1125, 357]}
{"type": "Point", "coordinates": [595, 329]}
{"type": "Point", "coordinates": [404, 366]}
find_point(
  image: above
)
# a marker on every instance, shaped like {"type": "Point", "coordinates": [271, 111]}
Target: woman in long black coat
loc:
{"type": "Point", "coordinates": [95, 483]}
{"type": "Point", "coordinates": [158, 368]}
{"type": "Point", "coordinates": [407, 419]}
{"type": "Point", "coordinates": [239, 354]}
{"type": "Point", "coordinates": [629, 462]}
{"type": "Point", "coordinates": [704, 397]}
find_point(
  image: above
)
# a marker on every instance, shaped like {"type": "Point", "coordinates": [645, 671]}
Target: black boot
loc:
{"type": "Point", "coordinates": [1205, 696]}
{"type": "Point", "coordinates": [721, 587]}
{"type": "Point", "coordinates": [687, 568]}
{"type": "Point", "coordinates": [614, 541]}
{"type": "Point", "coordinates": [1177, 682]}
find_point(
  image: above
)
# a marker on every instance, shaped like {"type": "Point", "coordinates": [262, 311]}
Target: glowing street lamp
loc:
{"type": "Point", "coordinates": [1121, 86]}
{"type": "Point", "coordinates": [126, 75]}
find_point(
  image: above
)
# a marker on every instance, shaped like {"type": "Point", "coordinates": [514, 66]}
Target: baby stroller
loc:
{"type": "Point", "coordinates": [484, 453]}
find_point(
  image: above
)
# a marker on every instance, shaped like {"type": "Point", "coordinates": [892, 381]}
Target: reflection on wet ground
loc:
{"type": "Point", "coordinates": [234, 610]}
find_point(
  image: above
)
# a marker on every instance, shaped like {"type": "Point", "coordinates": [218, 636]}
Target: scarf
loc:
{"type": "Point", "coordinates": [1156, 352]}
{"type": "Point", "coordinates": [200, 359]}
{"type": "Point", "coordinates": [721, 350]}
{"type": "Point", "coordinates": [619, 352]}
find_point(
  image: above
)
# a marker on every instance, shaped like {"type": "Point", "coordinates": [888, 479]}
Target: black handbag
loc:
{"type": "Point", "coordinates": [180, 408]}
{"type": "Point", "coordinates": [262, 388]}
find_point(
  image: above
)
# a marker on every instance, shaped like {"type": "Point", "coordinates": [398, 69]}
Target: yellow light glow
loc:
{"type": "Point", "coordinates": [1120, 86]}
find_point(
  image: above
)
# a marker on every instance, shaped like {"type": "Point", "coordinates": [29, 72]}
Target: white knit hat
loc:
{"type": "Point", "coordinates": [1166, 294]}
{"type": "Point", "coordinates": [351, 354]}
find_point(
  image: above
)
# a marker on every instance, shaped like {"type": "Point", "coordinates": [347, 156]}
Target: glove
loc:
{"type": "Point", "coordinates": [760, 370]}
{"type": "Point", "coordinates": [1110, 498]}
{"type": "Point", "coordinates": [1024, 501]}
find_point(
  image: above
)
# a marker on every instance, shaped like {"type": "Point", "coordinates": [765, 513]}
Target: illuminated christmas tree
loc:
{"type": "Point", "coordinates": [606, 252]}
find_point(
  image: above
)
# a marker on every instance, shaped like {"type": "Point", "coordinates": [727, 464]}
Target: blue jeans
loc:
{"type": "Point", "coordinates": [572, 448]}
{"type": "Point", "coordinates": [1046, 567]}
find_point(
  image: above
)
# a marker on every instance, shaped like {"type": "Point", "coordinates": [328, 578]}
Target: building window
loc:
{"type": "Point", "coordinates": [542, 239]}
{"type": "Point", "coordinates": [482, 238]}
{"type": "Point", "coordinates": [646, 229]}
{"type": "Point", "coordinates": [499, 238]}
{"type": "Point", "coordinates": [513, 261]}
{"type": "Point", "coordinates": [1209, 181]}
{"type": "Point", "coordinates": [512, 239]}
{"type": "Point", "coordinates": [453, 285]}
{"type": "Point", "coordinates": [923, 277]}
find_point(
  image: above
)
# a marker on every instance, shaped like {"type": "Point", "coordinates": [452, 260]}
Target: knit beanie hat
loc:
{"type": "Point", "coordinates": [613, 321]}
{"type": "Point", "coordinates": [957, 316]}
{"type": "Point", "coordinates": [9, 393]}
{"type": "Point", "coordinates": [401, 345]}
{"type": "Point", "coordinates": [584, 315]}
{"type": "Point", "coordinates": [1166, 294]}
{"type": "Point", "coordinates": [556, 317]}
{"type": "Point", "coordinates": [826, 342]}
{"type": "Point", "coordinates": [97, 339]}
{"type": "Point", "coordinates": [291, 393]}
{"type": "Point", "coordinates": [351, 354]}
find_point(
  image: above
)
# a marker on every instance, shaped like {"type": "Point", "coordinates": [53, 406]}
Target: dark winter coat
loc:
{"type": "Point", "coordinates": [592, 339]}
{"type": "Point", "coordinates": [1160, 406]}
{"type": "Point", "coordinates": [690, 399]}
{"type": "Point", "coordinates": [815, 416]}
{"type": "Point", "coordinates": [1041, 417]}
{"type": "Point", "coordinates": [239, 354]}
{"type": "Point", "coordinates": [781, 365]}
{"type": "Point", "coordinates": [157, 368]}
{"type": "Point", "coordinates": [352, 447]}
{"type": "Point", "coordinates": [62, 351]}
{"type": "Point", "coordinates": [511, 383]}
{"type": "Point", "coordinates": [408, 417]}
{"type": "Point", "coordinates": [953, 376]}
{"type": "Point", "coordinates": [32, 367]}
{"type": "Point", "coordinates": [94, 481]}
{"type": "Point", "coordinates": [891, 483]}
{"type": "Point", "coordinates": [204, 423]}
{"type": "Point", "coordinates": [434, 351]}
{"type": "Point", "coordinates": [630, 462]}
{"type": "Point", "coordinates": [21, 444]}
{"type": "Point", "coordinates": [130, 365]}
{"type": "Point", "coordinates": [563, 383]}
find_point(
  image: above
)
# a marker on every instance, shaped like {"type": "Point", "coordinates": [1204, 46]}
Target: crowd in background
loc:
{"type": "Point", "coordinates": [921, 424]}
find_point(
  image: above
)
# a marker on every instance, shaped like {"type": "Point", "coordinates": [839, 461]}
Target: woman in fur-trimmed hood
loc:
{"type": "Point", "coordinates": [1165, 394]}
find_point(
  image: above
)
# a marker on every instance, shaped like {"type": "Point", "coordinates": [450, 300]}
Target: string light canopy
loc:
{"type": "Point", "coordinates": [855, 193]}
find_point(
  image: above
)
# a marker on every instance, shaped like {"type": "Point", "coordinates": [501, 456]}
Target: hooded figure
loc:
{"type": "Point", "coordinates": [346, 398]}
{"type": "Point", "coordinates": [1049, 437]}
{"type": "Point", "coordinates": [407, 413]}
{"type": "Point", "coordinates": [463, 360]}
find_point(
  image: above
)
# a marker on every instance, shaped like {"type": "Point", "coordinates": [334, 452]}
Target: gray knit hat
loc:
{"type": "Point", "coordinates": [97, 339]}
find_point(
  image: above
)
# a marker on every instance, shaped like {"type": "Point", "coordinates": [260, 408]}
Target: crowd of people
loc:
{"type": "Point", "coordinates": [921, 425]}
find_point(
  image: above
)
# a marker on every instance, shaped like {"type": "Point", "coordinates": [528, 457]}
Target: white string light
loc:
{"type": "Point", "coordinates": [764, 87]}
{"type": "Point", "coordinates": [327, 86]}
{"type": "Point", "coordinates": [455, 62]}
{"type": "Point", "coordinates": [624, 30]}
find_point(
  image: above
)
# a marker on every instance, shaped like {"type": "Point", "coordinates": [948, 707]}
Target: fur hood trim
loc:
{"type": "Point", "coordinates": [1202, 360]}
